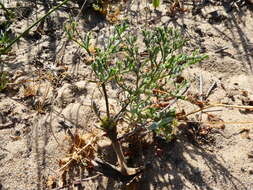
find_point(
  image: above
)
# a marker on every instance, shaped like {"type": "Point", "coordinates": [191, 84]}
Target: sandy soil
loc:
{"type": "Point", "coordinates": [49, 85]}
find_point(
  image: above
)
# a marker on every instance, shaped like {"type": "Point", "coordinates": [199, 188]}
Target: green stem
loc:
{"type": "Point", "coordinates": [34, 24]}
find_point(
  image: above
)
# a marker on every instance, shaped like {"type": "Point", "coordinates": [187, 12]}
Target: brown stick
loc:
{"type": "Point", "coordinates": [111, 171]}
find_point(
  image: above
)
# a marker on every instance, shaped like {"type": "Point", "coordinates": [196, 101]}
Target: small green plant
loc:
{"type": "Point", "coordinates": [5, 37]}
{"type": "Point", "coordinates": [146, 76]}
{"type": "Point", "coordinates": [156, 3]}
{"type": "Point", "coordinates": [142, 71]}
{"type": "Point", "coordinates": [5, 32]}
{"type": "Point", "coordinates": [3, 50]}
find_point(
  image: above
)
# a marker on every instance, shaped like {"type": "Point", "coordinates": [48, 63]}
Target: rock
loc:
{"type": "Point", "coordinates": [196, 11]}
{"type": "Point", "coordinates": [216, 17]}
{"type": "Point", "coordinates": [17, 133]}
{"type": "Point", "coordinates": [199, 31]}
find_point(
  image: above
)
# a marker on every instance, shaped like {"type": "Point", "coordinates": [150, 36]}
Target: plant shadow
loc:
{"type": "Point", "coordinates": [186, 166]}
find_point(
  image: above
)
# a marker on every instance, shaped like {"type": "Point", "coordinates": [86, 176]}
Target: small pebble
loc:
{"type": "Point", "coordinates": [17, 133]}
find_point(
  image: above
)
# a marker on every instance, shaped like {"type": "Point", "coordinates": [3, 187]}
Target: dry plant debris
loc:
{"type": "Point", "coordinates": [80, 150]}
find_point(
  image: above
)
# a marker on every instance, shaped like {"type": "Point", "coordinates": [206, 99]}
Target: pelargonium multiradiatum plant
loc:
{"type": "Point", "coordinates": [141, 65]}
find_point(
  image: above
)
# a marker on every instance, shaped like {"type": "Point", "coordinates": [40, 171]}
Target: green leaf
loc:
{"type": "Point", "coordinates": [156, 3]}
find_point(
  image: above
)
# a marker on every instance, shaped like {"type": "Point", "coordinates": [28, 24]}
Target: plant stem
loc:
{"type": "Point", "coordinates": [106, 101]}
{"type": "Point", "coordinates": [34, 24]}
{"type": "Point", "coordinates": [121, 159]}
